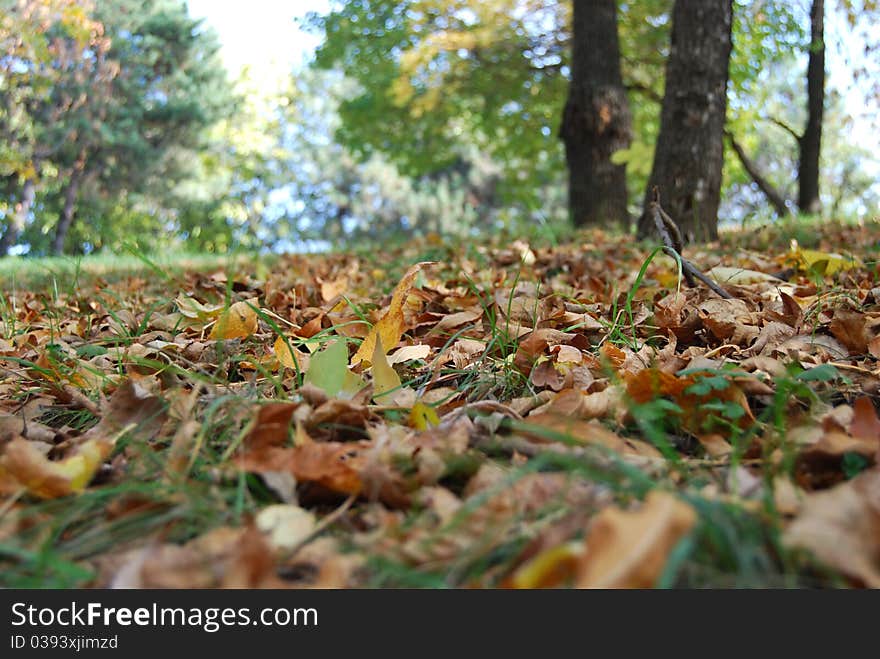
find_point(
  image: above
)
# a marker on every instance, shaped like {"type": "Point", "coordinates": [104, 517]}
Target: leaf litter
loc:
{"type": "Point", "coordinates": [498, 415]}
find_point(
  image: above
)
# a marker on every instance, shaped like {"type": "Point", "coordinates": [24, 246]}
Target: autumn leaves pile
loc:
{"type": "Point", "coordinates": [496, 416]}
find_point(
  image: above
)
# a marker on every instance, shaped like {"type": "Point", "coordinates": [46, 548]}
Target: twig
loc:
{"type": "Point", "coordinates": [672, 245]}
{"type": "Point", "coordinates": [322, 526]}
{"type": "Point", "coordinates": [784, 126]}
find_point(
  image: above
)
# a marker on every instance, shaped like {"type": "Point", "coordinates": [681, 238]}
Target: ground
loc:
{"type": "Point", "coordinates": [519, 412]}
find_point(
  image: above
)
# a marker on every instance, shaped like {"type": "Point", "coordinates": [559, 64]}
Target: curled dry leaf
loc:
{"type": "Point", "coordinates": [391, 325]}
{"type": "Point", "coordinates": [629, 549]}
{"type": "Point", "coordinates": [130, 410]}
{"type": "Point", "coordinates": [841, 527]}
{"type": "Point", "coordinates": [23, 465]}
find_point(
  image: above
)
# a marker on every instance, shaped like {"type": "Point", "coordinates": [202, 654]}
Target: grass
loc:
{"type": "Point", "coordinates": [66, 273]}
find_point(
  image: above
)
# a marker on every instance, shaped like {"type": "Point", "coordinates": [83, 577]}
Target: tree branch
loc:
{"type": "Point", "coordinates": [773, 195]}
{"type": "Point", "coordinates": [784, 126]}
{"type": "Point", "coordinates": [645, 91]}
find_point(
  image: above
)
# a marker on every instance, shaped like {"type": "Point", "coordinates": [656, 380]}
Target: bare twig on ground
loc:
{"type": "Point", "coordinates": [672, 242]}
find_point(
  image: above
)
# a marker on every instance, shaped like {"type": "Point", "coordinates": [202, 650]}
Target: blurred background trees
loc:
{"type": "Point", "coordinates": [120, 125]}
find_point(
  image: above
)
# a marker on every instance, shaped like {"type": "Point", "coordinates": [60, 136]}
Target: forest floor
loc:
{"type": "Point", "coordinates": [505, 414]}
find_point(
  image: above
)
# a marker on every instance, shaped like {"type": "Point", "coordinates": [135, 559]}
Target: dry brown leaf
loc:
{"type": "Point", "coordinates": [841, 527]}
{"type": "Point", "coordinates": [865, 424]}
{"type": "Point", "coordinates": [272, 426]}
{"type": "Point", "coordinates": [849, 327]}
{"type": "Point", "coordinates": [629, 549]}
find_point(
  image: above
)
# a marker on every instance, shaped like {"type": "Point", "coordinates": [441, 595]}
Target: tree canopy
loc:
{"type": "Point", "coordinates": [120, 122]}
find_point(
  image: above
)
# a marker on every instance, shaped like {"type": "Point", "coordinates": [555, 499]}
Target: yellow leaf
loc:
{"type": "Point", "coordinates": [390, 326]}
{"type": "Point", "coordinates": [48, 480]}
{"type": "Point", "coordinates": [289, 356]}
{"type": "Point", "coordinates": [237, 322]}
{"type": "Point", "coordinates": [422, 416]}
{"type": "Point", "coordinates": [826, 263]}
{"type": "Point", "coordinates": [549, 568]}
{"type": "Point", "coordinates": [332, 289]}
{"type": "Point", "coordinates": [385, 378]}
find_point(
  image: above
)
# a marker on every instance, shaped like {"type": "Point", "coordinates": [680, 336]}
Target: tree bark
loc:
{"type": "Point", "coordinates": [689, 154]}
{"type": "Point", "coordinates": [773, 195]}
{"type": "Point", "coordinates": [68, 212]}
{"type": "Point", "coordinates": [596, 121]}
{"type": "Point", "coordinates": [811, 141]}
{"type": "Point", "coordinates": [19, 217]}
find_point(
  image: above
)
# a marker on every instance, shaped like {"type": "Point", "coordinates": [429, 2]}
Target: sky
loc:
{"type": "Point", "coordinates": [262, 34]}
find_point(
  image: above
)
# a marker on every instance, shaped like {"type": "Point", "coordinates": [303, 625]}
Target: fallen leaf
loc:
{"type": "Point", "coordinates": [390, 325]}
{"type": "Point", "coordinates": [422, 416]}
{"type": "Point", "coordinates": [386, 382]}
{"type": "Point", "coordinates": [841, 527]}
{"type": "Point", "coordinates": [865, 424]}
{"type": "Point", "coordinates": [237, 322]}
{"type": "Point", "coordinates": [286, 525]}
{"type": "Point", "coordinates": [548, 568]}
{"type": "Point", "coordinates": [825, 263]}
{"type": "Point", "coordinates": [409, 353]}
{"type": "Point", "coordinates": [46, 479]}
{"type": "Point", "coordinates": [328, 369]}
{"type": "Point", "coordinates": [629, 549]}
{"type": "Point", "coordinates": [272, 425]}
{"type": "Point", "coordinates": [739, 276]}
{"type": "Point", "coordinates": [289, 356]}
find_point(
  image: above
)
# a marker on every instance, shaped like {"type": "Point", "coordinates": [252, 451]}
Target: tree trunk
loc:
{"type": "Point", "coordinates": [596, 121]}
{"type": "Point", "coordinates": [689, 154]}
{"type": "Point", "coordinates": [773, 195]}
{"type": "Point", "coordinates": [810, 142]}
{"type": "Point", "coordinates": [19, 217]}
{"type": "Point", "coordinates": [67, 213]}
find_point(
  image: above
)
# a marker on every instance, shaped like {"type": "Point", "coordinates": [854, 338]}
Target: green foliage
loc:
{"type": "Point", "coordinates": [456, 74]}
{"type": "Point", "coordinates": [114, 110]}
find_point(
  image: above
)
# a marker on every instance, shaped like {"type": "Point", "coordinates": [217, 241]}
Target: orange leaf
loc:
{"type": "Point", "coordinates": [272, 425]}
